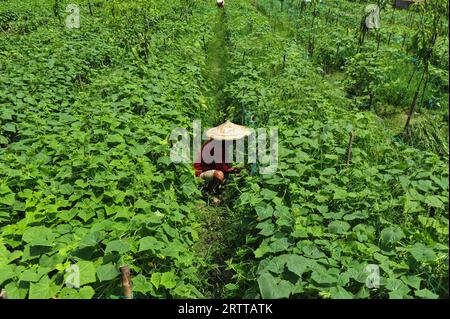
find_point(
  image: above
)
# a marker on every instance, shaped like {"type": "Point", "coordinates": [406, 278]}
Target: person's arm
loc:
{"type": "Point", "coordinates": [224, 167]}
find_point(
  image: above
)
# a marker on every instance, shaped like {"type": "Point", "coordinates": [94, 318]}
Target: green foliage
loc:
{"type": "Point", "coordinates": [85, 177]}
{"type": "Point", "coordinates": [318, 222]}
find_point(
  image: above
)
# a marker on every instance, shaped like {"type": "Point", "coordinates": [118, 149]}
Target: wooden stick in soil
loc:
{"type": "Point", "coordinates": [427, 78]}
{"type": "Point", "coordinates": [411, 108]}
{"type": "Point", "coordinates": [350, 148]}
{"type": "Point", "coordinates": [126, 282]}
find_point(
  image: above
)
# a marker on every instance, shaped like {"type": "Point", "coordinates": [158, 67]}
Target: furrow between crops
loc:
{"type": "Point", "coordinates": [217, 221]}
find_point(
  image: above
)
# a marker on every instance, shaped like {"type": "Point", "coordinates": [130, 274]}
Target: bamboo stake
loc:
{"type": "Point", "coordinates": [126, 282]}
{"type": "Point", "coordinates": [350, 148]}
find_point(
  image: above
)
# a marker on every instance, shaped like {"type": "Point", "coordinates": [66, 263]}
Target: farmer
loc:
{"type": "Point", "coordinates": [221, 4]}
{"type": "Point", "coordinates": [211, 166]}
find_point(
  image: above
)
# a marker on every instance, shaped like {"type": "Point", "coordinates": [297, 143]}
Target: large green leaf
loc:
{"type": "Point", "coordinates": [340, 293]}
{"type": "Point", "coordinates": [267, 228]}
{"type": "Point", "coordinates": [107, 272]}
{"type": "Point", "coordinates": [412, 281]}
{"type": "Point", "coordinates": [119, 246]}
{"type": "Point", "coordinates": [86, 292]}
{"type": "Point", "coordinates": [264, 212]}
{"type": "Point", "coordinates": [140, 203]}
{"type": "Point", "coordinates": [273, 288]}
{"type": "Point", "coordinates": [324, 278]}
{"type": "Point", "coordinates": [39, 236]}
{"type": "Point", "coordinates": [268, 194]}
{"type": "Point", "coordinates": [86, 272]}
{"type": "Point", "coordinates": [15, 291]}
{"type": "Point", "coordinates": [422, 253]}
{"type": "Point", "coordinates": [44, 289]}
{"type": "Point", "coordinates": [297, 264]}
{"type": "Point", "coordinates": [30, 275]}
{"type": "Point", "coordinates": [8, 199]}
{"type": "Point", "coordinates": [7, 272]}
{"type": "Point", "coordinates": [434, 201]}
{"type": "Point", "coordinates": [168, 280]}
{"type": "Point", "coordinates": [391, 235]}
{"type": "Point", "coordinates": [338, 227]}
{"type": "Point", "coordinates": [150, 243]}
{"type": "Point", "coordinates": [425, 294]}
{"type": "Point", "coordinates": [91, 239]}
{"type": "Point", "coordinates": [398, 290]}
{"type": "Point", "coordinates": [141, 284]}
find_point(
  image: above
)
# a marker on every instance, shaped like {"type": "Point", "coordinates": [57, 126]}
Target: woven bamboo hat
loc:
{"type": "Point", "coordinates": [228, 131]}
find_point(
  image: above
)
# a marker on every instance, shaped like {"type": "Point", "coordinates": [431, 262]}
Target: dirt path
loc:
{"type": "Point", "coordinates": [216, 70]}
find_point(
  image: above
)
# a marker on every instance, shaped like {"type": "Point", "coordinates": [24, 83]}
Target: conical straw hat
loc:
{"type": "Point", "coordinates": [228, 131]}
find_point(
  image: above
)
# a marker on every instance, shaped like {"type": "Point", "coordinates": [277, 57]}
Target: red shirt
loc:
{"type": "Point", "coordinates": [201, 166]}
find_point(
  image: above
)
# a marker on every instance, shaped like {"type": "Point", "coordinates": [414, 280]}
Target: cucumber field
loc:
{"type": "Point", "coordinates": [93, 206]}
